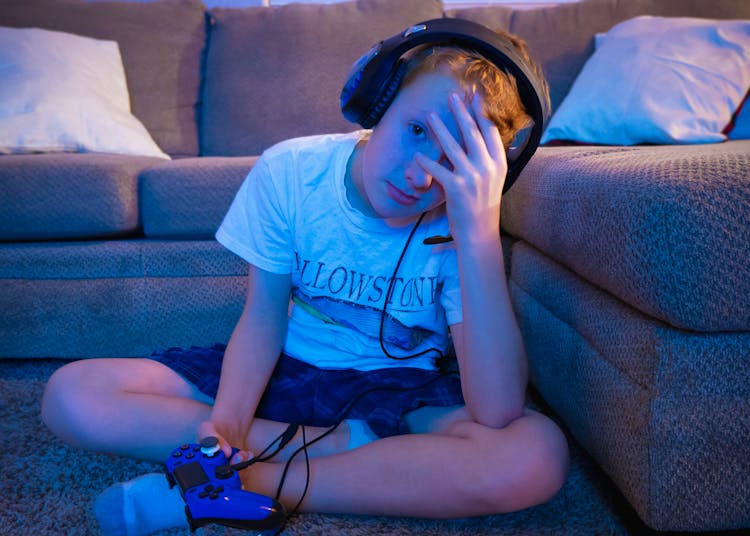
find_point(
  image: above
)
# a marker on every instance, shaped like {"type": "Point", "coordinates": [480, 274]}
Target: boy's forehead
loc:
{"type": "Point", "coordinates": [434, 84]}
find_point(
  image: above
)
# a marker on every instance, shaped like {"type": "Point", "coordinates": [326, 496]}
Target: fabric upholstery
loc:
{"type": "Point", "coordinates": [188, 198]}
{"type": "Point", "coordinates": [69, 196]}
{"type": "Point", "coordinates": [664, 411]}
{"type": "Point", "coordinates": [62, 297]}
{"type": "Point", "coordinates": [665, 229]}
{"type": "Point", "coordinates": [160, 43]}
{"type": "Point", "coordinates": [273, 74]}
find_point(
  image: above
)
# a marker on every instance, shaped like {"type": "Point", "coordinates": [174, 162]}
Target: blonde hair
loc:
{"type": "Point", "coordinates": [503, 105]}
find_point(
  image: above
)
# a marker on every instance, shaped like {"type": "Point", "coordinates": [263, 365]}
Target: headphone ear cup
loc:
{"type": "Point", "coordinates": [384, 97]}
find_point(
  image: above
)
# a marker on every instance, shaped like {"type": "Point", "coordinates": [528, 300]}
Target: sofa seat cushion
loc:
{"type": "Point", "coordinates": [188, 198]}
{"type": "Point", "coordinates": [117, 298]}
{"type": "Point", "coordinates": [161, 45]}
{"type": "Point", "coordinates": [71, 196]}
{"type": "Point", "coordinates": [277, 73]}
{"type": "Point", "coordinates": [663, 228]}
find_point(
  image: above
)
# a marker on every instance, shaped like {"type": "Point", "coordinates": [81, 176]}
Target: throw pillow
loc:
{"type": "Point", "coordinates": [658, 80]}
{"type": "Point", "coordinates": [64, 92]}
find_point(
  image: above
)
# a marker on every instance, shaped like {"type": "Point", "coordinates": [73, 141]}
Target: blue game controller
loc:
{"type": "Point", "coordinates": [213, 492]}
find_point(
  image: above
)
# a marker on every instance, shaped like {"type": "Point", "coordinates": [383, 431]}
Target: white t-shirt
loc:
{"type": "Point", "coordinates": [291, 216]}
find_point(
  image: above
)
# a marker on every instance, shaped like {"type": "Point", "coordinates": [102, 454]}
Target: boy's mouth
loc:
{"type": "Point", "coordinates": [399, 196]}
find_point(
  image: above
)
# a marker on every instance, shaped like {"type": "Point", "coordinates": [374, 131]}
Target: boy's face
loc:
{"type": "Point", "coordinates": [389, 183]}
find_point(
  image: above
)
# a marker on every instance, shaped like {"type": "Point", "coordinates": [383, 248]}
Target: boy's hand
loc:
{"type": "Point", "coordinates": [473, 184]}
{"type": "Point", "coordinates": [210, 428]}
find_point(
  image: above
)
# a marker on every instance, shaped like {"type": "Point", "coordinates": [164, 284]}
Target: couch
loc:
{"type": "Point", "coordinates": [628, 265]}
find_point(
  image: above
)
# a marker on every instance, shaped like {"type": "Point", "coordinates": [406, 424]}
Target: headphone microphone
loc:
{"type": "Point", "coordinates": [437, 239]}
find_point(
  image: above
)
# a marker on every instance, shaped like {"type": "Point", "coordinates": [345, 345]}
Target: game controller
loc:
{"type": "Point", "coordinates": [213, 492]}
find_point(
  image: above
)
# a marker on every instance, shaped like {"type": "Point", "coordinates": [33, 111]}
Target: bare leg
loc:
{"type": "Point", "coordinates": [461, 469]}
{"type": "Point", "coordinates": [142, 409]}
{"type": "Point", "coordinates": [131, 407]}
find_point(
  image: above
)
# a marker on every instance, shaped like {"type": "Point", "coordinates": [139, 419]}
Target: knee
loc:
{"type": "Point", "coordinates": [538, 469]}
{"type": "Point", "coordinates": [64, 402]}
{"type": "Point", "coordinates": [547, 464]}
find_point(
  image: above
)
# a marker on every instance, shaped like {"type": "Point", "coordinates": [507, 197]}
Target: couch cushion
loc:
{"type": "Point", "coordinates": [663, 228]}
{"type": "Point", "coordinates": [123, 297]}
{"type": "Point", "coordinates": [663, 411]}
{"type": "Point", "coordinates": [52, 196]}
{"type": "Point", "coordinates": [188, 198]}
{"type": "Point", "coordinates": [276, 73]}
{"type": "Point", "coordinates": [161, 45]}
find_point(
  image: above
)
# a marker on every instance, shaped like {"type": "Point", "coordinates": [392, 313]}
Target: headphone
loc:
{"type": "Point", "coordinates": [375, 78]}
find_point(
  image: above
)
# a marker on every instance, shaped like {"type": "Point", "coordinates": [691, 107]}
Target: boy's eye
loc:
{"type": "Point", "coordinates": [417, 130]}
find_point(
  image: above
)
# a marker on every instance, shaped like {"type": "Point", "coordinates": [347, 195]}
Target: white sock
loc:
{"type": "Point", "coordinates": [359, 433]}
{"type": "Point", "coordinates": [140, 506]}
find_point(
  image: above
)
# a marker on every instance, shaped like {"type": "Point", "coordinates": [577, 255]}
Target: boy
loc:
{"type": "Point", "coordinates": [323, 221]}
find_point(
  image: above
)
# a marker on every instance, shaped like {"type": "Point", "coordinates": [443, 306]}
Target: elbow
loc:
{"type": "Point", "coordinates": [500, 414]}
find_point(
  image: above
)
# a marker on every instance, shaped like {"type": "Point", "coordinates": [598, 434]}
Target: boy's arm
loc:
{"type": "Point", "coordinates": [488, 343]}
{"type": "Point", "coordinates": [251, 354]}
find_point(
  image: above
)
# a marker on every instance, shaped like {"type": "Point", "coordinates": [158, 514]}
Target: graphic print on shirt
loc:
{"type": "Point", "coordinates": [344, 297]}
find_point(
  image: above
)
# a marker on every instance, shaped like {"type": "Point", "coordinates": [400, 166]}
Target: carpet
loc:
{"type": "Point", "coordinates": [48, 488]}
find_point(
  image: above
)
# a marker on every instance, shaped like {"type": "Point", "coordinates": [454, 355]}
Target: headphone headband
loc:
{"type": "Point", "coordinates": [374, 79]}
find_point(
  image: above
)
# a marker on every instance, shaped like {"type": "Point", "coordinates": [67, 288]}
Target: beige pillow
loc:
{"type": "Point", "coordinates": [161, 45]}
{"type": "Point", "coordinates": [64, 92]}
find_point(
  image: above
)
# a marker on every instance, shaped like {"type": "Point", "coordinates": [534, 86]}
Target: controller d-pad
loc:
{"type": "Point", "coordinates": [211, 492]}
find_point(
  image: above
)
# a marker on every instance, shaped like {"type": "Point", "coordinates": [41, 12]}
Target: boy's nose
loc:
{"type": "Point", "coordinates": [417, 177]}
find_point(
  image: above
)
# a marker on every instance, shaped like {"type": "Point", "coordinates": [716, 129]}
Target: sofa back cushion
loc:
{"type": "Point", "coordinates": [276, 73]}
{"type": "Point", "coordinates": [161, 45]}
{"type": "Point", "coordinates": [187, 198]}
{"type": "Point", "coordinates": [70, 196]}
{"type": "Point", "coordinates": [561, 38]}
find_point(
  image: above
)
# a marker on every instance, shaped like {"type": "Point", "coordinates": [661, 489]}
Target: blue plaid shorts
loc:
{"type": "Point", "coordinates": [301, 393]}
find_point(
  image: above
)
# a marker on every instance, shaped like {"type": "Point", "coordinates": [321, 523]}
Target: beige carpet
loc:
{"type": "Point", "coordinates": [47, 488]}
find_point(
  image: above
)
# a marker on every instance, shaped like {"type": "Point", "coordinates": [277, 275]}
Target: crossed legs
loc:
{"type": "Point", "coordinates": [452, 466]}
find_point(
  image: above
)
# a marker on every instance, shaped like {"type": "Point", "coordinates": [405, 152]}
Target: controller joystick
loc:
{"type": "Point", "coordinates": [213, 492]}
{"type": "Point", "coordinates": [210, 446]}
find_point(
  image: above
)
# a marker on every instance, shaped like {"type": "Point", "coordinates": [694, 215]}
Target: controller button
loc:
{"type": "Point", "coordinates": [176, 454]}
{"type": "Point", "coordinates": [214, 496]}
{"type": "Point", "coordinates": [203, 494]}
{"type": "Point", "coordinates": [219, 489]}
{"type": "Point", "coordinates": [184, 446]}
{"type": "Point", "coordinates": [190, 455]}
{"type": "Point", "coordinates": [210, 487]}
